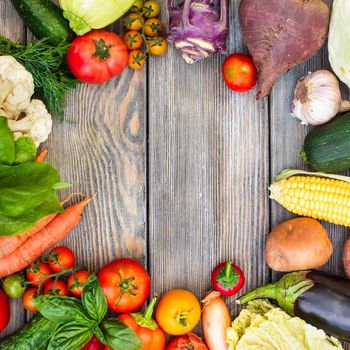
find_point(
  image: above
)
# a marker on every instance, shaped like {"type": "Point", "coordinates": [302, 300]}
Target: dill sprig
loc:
{"type": "Point", "coordinates": [47, 65]}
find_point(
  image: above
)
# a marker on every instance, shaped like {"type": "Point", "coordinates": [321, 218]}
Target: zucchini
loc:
{"type": "Point", "coordinates": [327, 147]}
{"type": "Point", "coordinates": [35, 335]}
{"type": "Point", "coordinates": [44, 19]}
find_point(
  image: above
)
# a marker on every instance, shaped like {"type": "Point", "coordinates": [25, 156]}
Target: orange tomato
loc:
{"type": "Point", "coordinates": [136, 59]}
{"type": "Point", "coordinates": [27, 299]}
{"type": "Point", "coordinates": [133, 40]}
{"type": "Point", "coordinates": [178, 312]}
{"type": "Point", "coordinates": [133, 21]}
{"type": "Point", "coordinates": [157, 46]}
{"type": "Point", "coordinates": [37, 273]}
{"type": "Point", "coordinates": [61, 258]}
{"type": "Point", "coordinates": [151, 9]}
{"type": "Point", "coordinates": [56, 288]}
{"type": "Point", "coordinates": [153, 26]}
{"type": "Point", "coordinates": [76, 282]}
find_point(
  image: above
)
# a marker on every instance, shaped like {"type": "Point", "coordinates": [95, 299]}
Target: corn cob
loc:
{"type": "Point", "coordinates": [317, 197]}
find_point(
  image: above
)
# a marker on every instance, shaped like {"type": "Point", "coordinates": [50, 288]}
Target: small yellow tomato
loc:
{"type": "Point", "coordinates": [157, 46]}
{"type": "Point", "coordinates": [178, 312]}
{"type": "Point", "coordinates": [151, 9]}
{"type": "Point", "coordinates": [133, 40]}
{"type": "Point", "coordinates": [137, 5]}
{"type": "Point", "coordinates": [153, 26]}
{"type": "Point", "coordinates": [133, 21]}
{"type": "Point", "coordinates": [136, 59]}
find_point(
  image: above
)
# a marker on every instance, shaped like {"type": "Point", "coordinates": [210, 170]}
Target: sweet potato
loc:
{"type": "Point", "coordinates": [281, 34]}
{"type": "Point", "coordinates": [346, 257]}
{"type": "Point", "coordinates": [298, 244]}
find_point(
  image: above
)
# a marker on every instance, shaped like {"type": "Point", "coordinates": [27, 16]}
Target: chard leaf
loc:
{"type": "Point", "coordinates": [7, 143]}
{"type": "Point", "coordinates": [25, 150]}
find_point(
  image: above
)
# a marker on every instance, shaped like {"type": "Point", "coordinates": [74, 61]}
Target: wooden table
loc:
{"type": "Point", "coordinates": [181, 167]}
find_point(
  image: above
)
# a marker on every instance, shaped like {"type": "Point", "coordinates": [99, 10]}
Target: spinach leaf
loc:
{"type": "Point", "coordinates": [7, 143]}
{"type": "Point", "coordinates": [25, 186]}
{"type": "Point", "coordinates": [62, 310]}
{"type": "Point", "coordinates": [119, 336]}
{"type": "Point", "coordinates": [94, 299]}
{"type": "Point", "coordinates": [14, 225]}
{"type": "Point", "coordinates": [25, 150]}
{"type": "Point", "coordinates": [71, 336]}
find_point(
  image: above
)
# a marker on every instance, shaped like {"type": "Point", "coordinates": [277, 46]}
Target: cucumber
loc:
{"type": "Point", "coordinates": [327, 147]}
{"type": "Point", "coordinates": [35, 335]}
{"type": "Point", "coordinates": [44, 19]}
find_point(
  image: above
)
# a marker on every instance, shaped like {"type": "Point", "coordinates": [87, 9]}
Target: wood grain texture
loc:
{"type": "Point", "coordinates": [12, 27]}
{"type": "Point", "coordinates": [208, 173]}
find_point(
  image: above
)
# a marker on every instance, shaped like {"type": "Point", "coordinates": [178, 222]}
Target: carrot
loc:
{"type": "Point", "coordinates": [11, 243]}
{"type": "Point", "coordinates": [42, 155]}
{"type": "Point", "coordinates": [34, 246]}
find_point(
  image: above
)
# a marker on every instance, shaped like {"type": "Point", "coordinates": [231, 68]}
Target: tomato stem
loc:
{"type": "Point", "coordinates": [102, 50]}
{"type": "Point", "coordinates": [228, 270]}
{"type": "Point", "coordinates": [150, 308]}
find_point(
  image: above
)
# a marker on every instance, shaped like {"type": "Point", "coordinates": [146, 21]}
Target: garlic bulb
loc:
{"type": "Point", "coordinates": [317, 98]}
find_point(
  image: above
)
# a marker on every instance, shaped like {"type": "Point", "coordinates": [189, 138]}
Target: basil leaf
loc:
{"type": "Point", "coordinates": [14, 225]}
{"type": "Point", "coordinates": [71, 336]}
{"type": "Point", "coordinates": [7, 143]}
{"type": "Point", "coordinates": [99, 334]}
{"type": "Point", "coordinates": [62, 310]}
{"type": "Point", "coordinates": [94, 299]}
{"type": "Point", "coordinates": [25, 150]}
{"type": "Point", "coordinates": [119, 336]}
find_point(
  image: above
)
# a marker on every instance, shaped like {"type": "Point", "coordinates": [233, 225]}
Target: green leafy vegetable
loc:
{"type": "Point", "coordinates": [47, 65]}
{"type": "Point", "coordinates": [94, 299]}
{"type": "Point", "coordinates": [62, 310]}
{"type": "Point", "coordinates": [7, 143]}
{"type": "Point", "coordinates": [119, 336]}
{"type": "Point", "coordinates": [25, 150]}
{"type": "Point", "coordinates": [71, 336]}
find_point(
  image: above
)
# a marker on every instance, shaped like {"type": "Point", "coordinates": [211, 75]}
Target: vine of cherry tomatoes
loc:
{"type": "Point", "coordinates": [145, 30]}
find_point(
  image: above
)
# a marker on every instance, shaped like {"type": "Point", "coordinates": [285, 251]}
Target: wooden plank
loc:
{"type": "Point", "coordinates": [208, 173]}
{"type": "Point", "coordinates": [11, 27]}
{"type": "Point", "coordinates": [287, 137]}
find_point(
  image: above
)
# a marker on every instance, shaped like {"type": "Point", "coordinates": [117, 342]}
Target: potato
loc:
{"type": "Point", "coordinates": [346, 257]}
{"type": "Point", "coordinates": [298, 244]}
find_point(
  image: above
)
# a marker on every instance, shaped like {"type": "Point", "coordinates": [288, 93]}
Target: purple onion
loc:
{"type": "Point", "coordinates": [198, 28]}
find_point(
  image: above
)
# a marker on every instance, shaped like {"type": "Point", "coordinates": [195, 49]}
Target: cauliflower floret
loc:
{"type": "Point", "coordinates": [16, 87]}
{"type": "Point", "coordinates": [36, 123]}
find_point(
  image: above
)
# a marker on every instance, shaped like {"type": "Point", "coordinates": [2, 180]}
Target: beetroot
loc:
{"type": "Point", "coordinates": [281, 34]}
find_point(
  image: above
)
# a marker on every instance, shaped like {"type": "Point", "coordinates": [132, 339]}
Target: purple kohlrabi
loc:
{"type": "Point", "coordinates": [198, 28]}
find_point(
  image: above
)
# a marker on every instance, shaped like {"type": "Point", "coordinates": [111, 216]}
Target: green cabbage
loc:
{"type": "Point", "coordinates": [339, 40]}
{"type": "Point", "coordinates": [262, 326]}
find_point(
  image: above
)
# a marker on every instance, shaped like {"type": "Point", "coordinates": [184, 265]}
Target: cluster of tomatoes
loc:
{"type": "Point", "coordinates": [144, 33]}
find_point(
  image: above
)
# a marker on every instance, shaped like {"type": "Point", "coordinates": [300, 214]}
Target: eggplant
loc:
{"type": "Point", "coordinates": [319, 298]}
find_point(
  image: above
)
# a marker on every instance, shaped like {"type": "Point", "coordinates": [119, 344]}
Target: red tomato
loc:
{"type": "Point", "coordinates": [37, 273]}
{"type": "Point", "coordinates": [76, 282]}
{"type": "Point", "coordinates": [188, 341]}
{"type": "Point", "coordinates": [93, 344]}
{"type": "Point", "coordinates": [227, 279]}
{"type": "Point", "coordinates": [61, 258]}
{"type": "Point", "coordinates": [27, 299]}
{"type": "Point", "coordinates": [4, 310]}
{"type": "Point", "coordinates": [126, 284]}
{"type": "Point", "coordinates": [239, 72]}
{"type": "Point", "coordinates": [97, 56]}
{"type": "Point", "coordinates": [56, 288]}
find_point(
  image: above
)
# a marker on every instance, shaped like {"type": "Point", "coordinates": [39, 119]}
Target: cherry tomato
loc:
{"type": "Point", "coordinates": [37, 273]}
{"type": "Point", "coordinates": [4, 310]}
{"type": "Point", "coordinates": [76, 282]}
{"type": "Point", "coordinates": [97, 56]}
{"type": "Point", "coordinates": [27, 299]}
{"type": "Point", "coordinates": [14, 286]}
{"type": "Point", "coordinates": [188, 341]}
{"type": "Point", "coordinates": [157, 46]}
{"type": "Point", "coordinates": [137, 5]}
{"type": "Point", "coordinates": [133, 21]}
{"type": "Point", "coordinates": [136, 59]}
{"type": "Point", "coordinates": [133, 40]}
{"type": "Point", "coordinates": [93, 344]}
{"type": "Point", "coordinates": [227, 279]}
{"type": "Point", "coordinates": [56, 288]}
{"type": "Point", "coordinates": [178, 312]}
{"type": "Point", "coordinates": [61, 258]}
{"type": "Point", "coordinates": [239, 72]}
{"type": "Point", "coordinates": [125, 283]}
{"type": "Point", "coordinates": [153, 26]}
{"type": "Point", "coordinates": [151, 9]}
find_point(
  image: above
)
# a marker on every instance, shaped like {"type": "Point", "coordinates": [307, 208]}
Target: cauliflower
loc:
{"type": "Point", "coordinates": [34, 122]}
{"type": "Point", "coordinates": [16, 87]}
